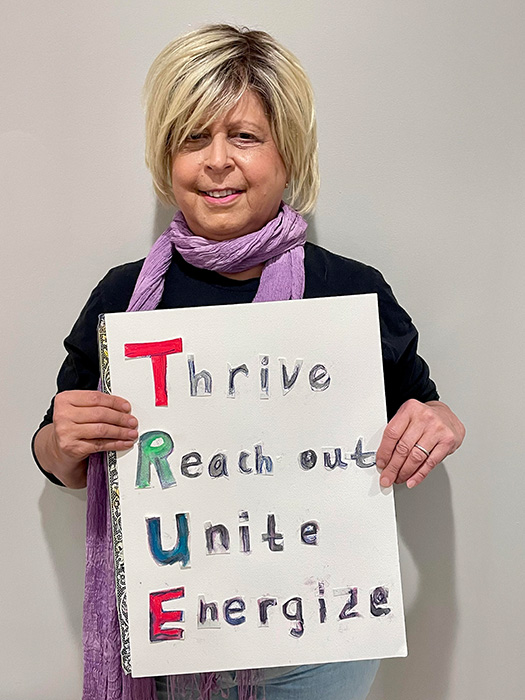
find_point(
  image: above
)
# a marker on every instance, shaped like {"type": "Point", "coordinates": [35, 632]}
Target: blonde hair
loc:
{"type": "Point", "coordinates": [205, 73]}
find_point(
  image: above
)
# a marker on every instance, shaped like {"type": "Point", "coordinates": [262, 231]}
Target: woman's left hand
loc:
{"type": "Point", "coordinates": [417, 438]}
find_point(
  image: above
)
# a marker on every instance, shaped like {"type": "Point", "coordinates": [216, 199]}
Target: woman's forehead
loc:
{"type": "Point", "coordinates": [247, 111]}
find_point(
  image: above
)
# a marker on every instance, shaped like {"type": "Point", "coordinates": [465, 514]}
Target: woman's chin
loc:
{"type": "Point", "coordinates": [218, 228]}
{"type": "Point", "coordinates": [222, 235]}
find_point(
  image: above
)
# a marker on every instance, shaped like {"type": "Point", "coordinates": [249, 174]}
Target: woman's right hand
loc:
{"type": "Point", "coordinates": [84, 422]}
{"type": "Point", "coordinates": [91, 421]}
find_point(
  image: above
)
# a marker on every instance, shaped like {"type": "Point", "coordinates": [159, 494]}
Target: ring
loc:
{"type": "Point", "coordinates": [422, 449]}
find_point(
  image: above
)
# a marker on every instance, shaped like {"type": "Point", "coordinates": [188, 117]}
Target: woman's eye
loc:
{"type": "Point", "coordinates": [245, 138]}
{"type": "Point", "coordinates": [195, 140]}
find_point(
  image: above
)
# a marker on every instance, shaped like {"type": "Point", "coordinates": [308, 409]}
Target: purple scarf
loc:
{"type": "Point", "coordinates": [280, 245]}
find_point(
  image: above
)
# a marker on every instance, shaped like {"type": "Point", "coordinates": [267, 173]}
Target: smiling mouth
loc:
{"type": "Point", "coordinates": [220, 194]}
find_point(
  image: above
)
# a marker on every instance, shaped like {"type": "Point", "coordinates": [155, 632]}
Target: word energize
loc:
{"type": "Point", "coordinates": [163, 622]}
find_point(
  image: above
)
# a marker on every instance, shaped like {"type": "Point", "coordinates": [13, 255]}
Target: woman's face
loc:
{"type": "Point", "coordinates": [229, 178]}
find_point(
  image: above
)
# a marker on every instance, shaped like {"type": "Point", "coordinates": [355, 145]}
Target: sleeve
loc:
{"type": "Point", "coordinates": [407, 375]}
{"type": "Point", "coordinates": [80, 369]}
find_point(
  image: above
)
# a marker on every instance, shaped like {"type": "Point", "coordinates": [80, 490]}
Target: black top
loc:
{"type": "Point", "coordinates": [326, 274]}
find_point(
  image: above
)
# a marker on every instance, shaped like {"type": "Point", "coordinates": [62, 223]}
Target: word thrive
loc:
{"type": "Point", "coordinates": [201, 383]}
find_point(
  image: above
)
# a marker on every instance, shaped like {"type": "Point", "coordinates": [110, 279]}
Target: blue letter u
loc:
{"type": "Point", "coordinates": [180, 552]}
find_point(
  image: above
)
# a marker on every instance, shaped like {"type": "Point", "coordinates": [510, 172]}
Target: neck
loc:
{"type": "Point", "coordinates": [245, 274]}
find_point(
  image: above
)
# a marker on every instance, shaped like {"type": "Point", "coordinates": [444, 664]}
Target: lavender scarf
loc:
{"type": "Point", "coordinates": [280, 245]}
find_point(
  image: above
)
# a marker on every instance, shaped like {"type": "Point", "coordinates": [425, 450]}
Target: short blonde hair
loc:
{"type": "Point", "coordinates": [205, 73]}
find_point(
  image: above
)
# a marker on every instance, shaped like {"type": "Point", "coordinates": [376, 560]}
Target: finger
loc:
{"type": "Point", "coordinates": [104, 431]}
{"type": "Point", "coordinates": [393, 431]}
{"type": "Point", "coordinates": [417, 458]}
{"type": "Point", "coordinates": [402, 452]}
{"type": "Point", "coordinates": [439, 442]}
{"type": "Point", "coordinates": [437, 455]}
{"type": "Point", "coordinates": [86, 439]}
{"type": "Point", "coordinates": [92, 446]}
{"type": "Point", "coordinates": [101, 414]}
{"type": "Point", "coordinates": [84, 398]}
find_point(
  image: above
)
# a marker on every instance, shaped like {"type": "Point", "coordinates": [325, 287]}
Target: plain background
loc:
{"type": "Point", "coordinates": [421, 130]}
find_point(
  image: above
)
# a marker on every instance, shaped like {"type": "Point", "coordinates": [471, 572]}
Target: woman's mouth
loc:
{"type": "Point", "coordinates": [220, 196]}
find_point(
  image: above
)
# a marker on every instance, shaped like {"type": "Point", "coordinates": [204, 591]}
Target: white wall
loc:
{"type": "Point", "coordinates": [421, 115]}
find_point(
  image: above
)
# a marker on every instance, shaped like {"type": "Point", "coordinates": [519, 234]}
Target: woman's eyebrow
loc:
{"type": "Point", "coordinates": [243, 124]}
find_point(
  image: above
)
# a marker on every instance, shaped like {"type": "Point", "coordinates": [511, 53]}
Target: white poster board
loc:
{"type": "Point", "coordinates": [249, 524]}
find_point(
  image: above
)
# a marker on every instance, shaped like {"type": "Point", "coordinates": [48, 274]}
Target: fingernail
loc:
{"type": "Point", "coordinates": [132, 422]}
{"type": "Point", "coordinates": [385, 481]}
{"type": "Point", "coordinates": [133, 434]}
{"type": "Point", "coordinates": [126, 406]}
{"type": "Point", "coordinates": [380, 464]}
{"type": "Point", "coordinates": [411, 483]}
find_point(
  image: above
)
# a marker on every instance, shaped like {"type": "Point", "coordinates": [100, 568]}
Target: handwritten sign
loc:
{"type": "Point", "coordinates": [250, 529]}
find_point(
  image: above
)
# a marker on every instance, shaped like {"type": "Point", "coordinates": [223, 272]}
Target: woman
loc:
{"type": "Point", "coordinates": [230, 132]}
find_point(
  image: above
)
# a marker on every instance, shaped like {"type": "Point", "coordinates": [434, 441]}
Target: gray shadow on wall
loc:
{"type": "Point", "coordinates": [311, 231]}
{"type": "Point", "coordinates": [426, 528]}
{"type": "Point", "coordinates": [63, 518]}
{"type": "Point", "coordinates": [161, 220]}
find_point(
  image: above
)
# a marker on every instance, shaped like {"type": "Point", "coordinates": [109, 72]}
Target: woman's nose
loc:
{"type": "Point", "coordinates": [218, 155]}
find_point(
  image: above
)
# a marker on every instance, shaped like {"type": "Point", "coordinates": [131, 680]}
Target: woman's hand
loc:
{"type": "Point", "coordinates": [91, 421]}
{"type": "Point", "coordinates": [84, 422]}
{"type": "Point", "coordinates": [417, 438]}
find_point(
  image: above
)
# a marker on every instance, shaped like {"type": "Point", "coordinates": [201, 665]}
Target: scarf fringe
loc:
{"type": "Point", "coordinates": [202, 686]}
{"type": "Point", "coordinates": [189, 686]}
{"type": "Point", "coordinates": [247, 682]}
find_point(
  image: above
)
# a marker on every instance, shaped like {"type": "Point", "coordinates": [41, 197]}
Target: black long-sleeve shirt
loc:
{"type": "Point", "coordinates": [326, 274]}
